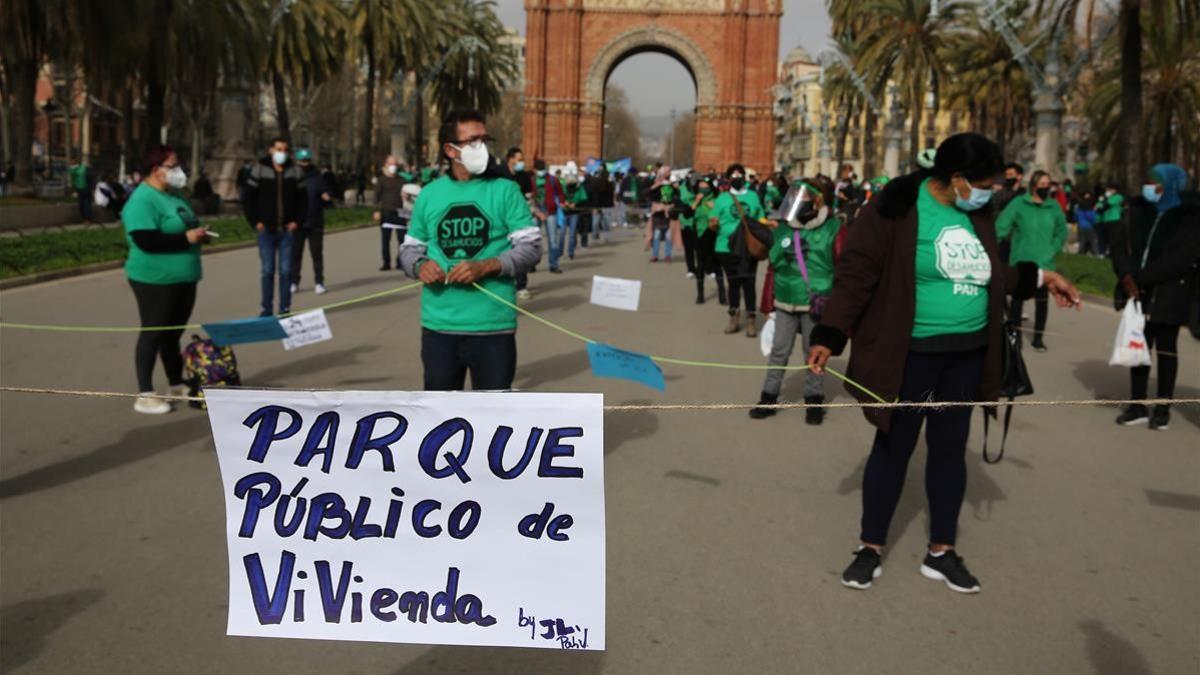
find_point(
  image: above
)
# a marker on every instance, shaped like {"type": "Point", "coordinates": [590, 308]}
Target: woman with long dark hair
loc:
{"type": "Point", "coordinates": [920, 286]}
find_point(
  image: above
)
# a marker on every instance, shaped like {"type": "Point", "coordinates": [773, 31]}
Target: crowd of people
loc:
{"type": "Point", "coordinates": [920, 273]}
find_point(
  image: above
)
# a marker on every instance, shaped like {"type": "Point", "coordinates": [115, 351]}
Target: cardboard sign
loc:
{"type": "Point", "coordinates": [619, 364]}
{"type": "Point", "coordinates": [434, 518]}
{"type": "Point", "coordinates": [616, 293]}
{"type": "Point", "coordinates": [305, 329]}
{"type": "Point", "coordinates": [235, 332]}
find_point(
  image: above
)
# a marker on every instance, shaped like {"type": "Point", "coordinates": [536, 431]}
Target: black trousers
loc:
{"type": "Point", "coordinates": [740, 276]}
{"type": "Point", "coordinates": [447, 357]}
{"type": "Point", "coordinates": [1165, 339]}
{"type": "Point", "coordinates": [708, 263]}
{"type": "Point", "coordinates": [691, 249]}
{"type": "Point", "coordinates": [316, 239]}
{"type": "Point", "coordinates": [927, 377]}
{"type": "Point", "coordinates": [1041, 310]}
{"type": "Point", "coordinates": [385, 244]}
{"type": "Point", "coordinates": [161, 305]}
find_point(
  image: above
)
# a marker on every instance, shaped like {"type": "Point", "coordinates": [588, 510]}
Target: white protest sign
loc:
{"type": "Point", "coordinates": [616, 293]}
{"type": "Point", "coordinates": [436, 518]}
{"type": "Point", "coordinates": [305, 329]}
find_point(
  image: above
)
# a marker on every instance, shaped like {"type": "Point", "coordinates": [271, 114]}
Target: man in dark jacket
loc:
{"type": "Point", "coordinates": [318, 196]}
{"type": "Point", "coordinates": [274, 205]}
{"type": "Point", "coordinates": [389, 205]}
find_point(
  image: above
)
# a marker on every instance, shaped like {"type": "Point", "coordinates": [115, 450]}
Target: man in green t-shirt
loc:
{"type": "Point", "coordinates": [1110, 209]}
{"type": "Point", "coordinates": [81, 182]}
{"type": "Point", "coordinates": [469, 226]}
{"type": "Point", "coordinates": [706, 257]}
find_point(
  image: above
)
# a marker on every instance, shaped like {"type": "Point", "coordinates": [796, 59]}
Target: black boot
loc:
{"type": "Point", "coordinates": [700, 289]}
{"type": "Point", "coordinates": [765, 399]}
{"type": "Point", "coordinates": [814, 416]}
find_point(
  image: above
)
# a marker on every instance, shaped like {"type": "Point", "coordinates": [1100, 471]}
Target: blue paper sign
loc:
{"type": "Point", "coordinates": [617, 363]}
{"type": "Point", "coordinates": [260, 329]}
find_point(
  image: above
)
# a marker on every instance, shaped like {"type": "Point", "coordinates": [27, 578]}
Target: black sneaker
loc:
{"type": "Point", "coordinates": [949, 568]}
{"type": "Point", "coordinates": [385, 267]}
{"type": "Point", "coordinates": [1038, 345]}
{"type": "Point", "coordinates": [814, 416]}
{"type": "Point", "coordinates": [866, 568]}
{"type": "Point", "coordinates": [761, 413]}
{"type": "Point", "coordinates": [1134, 414]}
{"type": "Point", "coordinates": [1161, 418]}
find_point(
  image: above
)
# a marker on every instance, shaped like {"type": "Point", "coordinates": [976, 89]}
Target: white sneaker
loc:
{"type": "Point", "coordinates": [150, 406]}
{"type": "Point", "coordinates": [319, 289]}
{"type": "Point", "coordinates": [691, 275]}
{"type": "Point", "coordinates": [712, 275]}
{"type": "Point", "coordinates": [295, 288]}
{"type": "Point", "coordinates": [523, 294]}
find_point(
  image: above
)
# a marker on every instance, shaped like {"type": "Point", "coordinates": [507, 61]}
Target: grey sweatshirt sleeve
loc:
{"type": "Point", "coordinates": [412, 252]}
{"type": "Point", "coordinates": [526, 251]}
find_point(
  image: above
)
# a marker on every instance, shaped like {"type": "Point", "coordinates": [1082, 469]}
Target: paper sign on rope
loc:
{"type": "Point", "coordinates": [305, 329]}
{"type": "Point", "coordinates": [433, 518]}
{"type": "Point", "coordinates": [616, 363]}
{"type": "Point", "coordinates": [261, 329]}
{"type": "Point", "coordinates": [616, 293]}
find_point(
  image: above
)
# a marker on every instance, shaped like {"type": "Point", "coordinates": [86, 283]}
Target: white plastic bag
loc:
{"type": "Point", "coordinates": [100, 197]}
{"type": "Point", "coordinates": [1130, 349]}
{"type": "Point", "coordinates": [766, 335]}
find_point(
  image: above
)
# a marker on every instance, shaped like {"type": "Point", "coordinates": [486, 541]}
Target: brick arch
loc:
{"type": "Point", "coordinates": [652, 38]}
{"type": "Point", "coordinates": [731, 48]}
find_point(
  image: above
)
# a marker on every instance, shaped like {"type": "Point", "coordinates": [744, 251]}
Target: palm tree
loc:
{"type": "Point", "coordinates": [1170, 80]}
{"type": "Point", "coordinates": [308, 43]}
{"type": "Point", "coordinates": [908, 40]}
{"type": "Point", "coordinates": [390, 34]}
{"type": "Point", "coordinates": [479, 69]}
{"type": "Point", "coordinates": [849, 24]}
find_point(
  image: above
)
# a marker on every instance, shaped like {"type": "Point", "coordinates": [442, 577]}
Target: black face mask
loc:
{"type": "Point", "coordinates": [1010, 183]}
{"type": "Point", "coordinates": [737, 182]}
{"type": "Point", "coordinates": [808, 211]}
{"type": "Point", "coordinates": [1042, 193]}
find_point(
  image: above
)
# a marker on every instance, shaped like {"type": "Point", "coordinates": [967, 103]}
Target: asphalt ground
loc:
{"type": "Point", "coordinates": [726, 536]}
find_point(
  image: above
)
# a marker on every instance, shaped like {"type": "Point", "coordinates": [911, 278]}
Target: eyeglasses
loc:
{"type": "Point", "coordinates": [475, 140]}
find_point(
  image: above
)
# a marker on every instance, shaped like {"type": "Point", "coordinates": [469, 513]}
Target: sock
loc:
{"type": "Point", "coordinates": [938, 554]}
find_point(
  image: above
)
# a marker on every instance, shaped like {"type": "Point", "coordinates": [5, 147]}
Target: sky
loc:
{"type": "Point", "coordinates": [656, 83]}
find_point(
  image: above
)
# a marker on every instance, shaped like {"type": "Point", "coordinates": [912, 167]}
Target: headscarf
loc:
{"type": "Point", "coordinates": [1174, 180]}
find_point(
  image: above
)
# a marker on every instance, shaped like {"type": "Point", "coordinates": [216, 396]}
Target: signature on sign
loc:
{"type": "Point", "coordinates": [568, 636]}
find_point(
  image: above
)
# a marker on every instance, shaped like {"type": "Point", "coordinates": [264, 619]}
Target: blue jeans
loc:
{"type": "Point", "coordinates": [663, 236]}
{"type": "Point", "coordinates": [570, 225]}
{"type": "Point", "coordinates": [276, 247]}
{"type": "Point", "coordinates": [447, 357]}
{"type": "Point", "coordinates": [554, 238]}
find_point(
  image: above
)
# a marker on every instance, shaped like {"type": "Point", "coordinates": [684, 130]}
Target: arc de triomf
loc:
{"type": "Point", "coordinates": [730, 47]}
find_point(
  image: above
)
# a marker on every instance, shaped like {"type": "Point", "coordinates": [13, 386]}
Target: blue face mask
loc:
{"type": "Point", "coordinates": [979, 198]}
{"type": "Point", "coordinates": [1150, 193]}
{"type": "Point", "coordinates": [519, 166]}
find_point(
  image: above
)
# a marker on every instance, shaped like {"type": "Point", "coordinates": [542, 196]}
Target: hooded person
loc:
{"type": "Point", "coordinates": [1154, 256]}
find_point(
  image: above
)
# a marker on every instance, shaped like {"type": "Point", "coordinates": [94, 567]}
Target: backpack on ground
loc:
{"type": "Point", "coordinates": [207, 365]}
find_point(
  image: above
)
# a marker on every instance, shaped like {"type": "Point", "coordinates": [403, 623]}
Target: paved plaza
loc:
{"type": "Point", "coordinates": [725, 535]}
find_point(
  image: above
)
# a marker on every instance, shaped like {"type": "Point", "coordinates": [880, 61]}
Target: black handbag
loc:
{"type": "Point", "coordinates": [1014, 382]}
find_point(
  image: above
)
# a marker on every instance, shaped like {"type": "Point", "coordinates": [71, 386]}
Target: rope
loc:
{"type": "Point", "coordinates": [193, 326]}
{"type": "Point", "coordinates": [928, 405]}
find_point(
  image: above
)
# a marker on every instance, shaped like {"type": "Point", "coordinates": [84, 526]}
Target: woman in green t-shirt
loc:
{"type": "Point", "coordinates": [920, 286]}
{"type": "Point", "coordinates": [163, 268]}
{"type": "Point", "coordinates": [740, 268]}
{"type": "Point", "coordinates": [706, 240]}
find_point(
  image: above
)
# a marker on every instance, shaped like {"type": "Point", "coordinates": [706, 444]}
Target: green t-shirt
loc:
{"type": "Point", "coordinates": [728, 217]}
{"type": "Point", "coordinates": [1038, 231]}
{"type": "Point", "coordinates": [953, 271]}
{"type": "Point", "coordinates": [170, 213]}
{"type": "Point", "coordinates": [78, 174]}
{"type": "Point", "coordinates": [686, 196]}
{"type": "Point", "coordinates": [704, 211]}
{"type": "Point", "coordinates": [576, 195]}
{"type": "Point", "coordinates": [790, 287]}
{"type": "Point", "coordinates": [468, 220]}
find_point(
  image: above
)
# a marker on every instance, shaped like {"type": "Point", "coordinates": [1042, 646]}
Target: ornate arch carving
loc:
{"type": "Point", "coordinates": [651, 38]}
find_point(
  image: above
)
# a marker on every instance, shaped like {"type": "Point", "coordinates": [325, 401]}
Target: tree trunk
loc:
{"type": "Point", "coordinates": [914, 132]}
{"type": "Point", "coordinates": [24, 84]}
{"type": "Point", "coordinates": [195, 163]}
{"type": "Point", "coordinates": [129, 156]}
{"type": "Point", "coordinates": [364, 148]}
{"type": "Point", "coordinates": [868, 148]}
{"type": "Point", "coordinates": [419, 126]}
{"type": "Point", "coordinates": [843, 130]}
{"type": "Point", "coordinates": [1130, 149]}
{"type": "Point", "coordinates": [281, 109]}
{"type": "Point", "coordinates": [68, 110]}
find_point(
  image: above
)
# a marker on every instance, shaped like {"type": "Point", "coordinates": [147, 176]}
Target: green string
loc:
{"type": "Point", "coordinates": [191, 326]}
{"type": "Point", "coordinates": [679, 362]}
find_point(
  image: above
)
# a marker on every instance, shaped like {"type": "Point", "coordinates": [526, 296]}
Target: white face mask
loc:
{"type": "Point", "coordinates": [473, 156]}
{"type": "Point", "coordinates": [279, 157]}
{"type": "Point", "coordinates": [176, 178]}
{"type": "Point", "coordinates": [390, 169]}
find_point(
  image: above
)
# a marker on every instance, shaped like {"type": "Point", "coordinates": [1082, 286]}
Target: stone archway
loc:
{"type": "Point", "coordinates": [729, 46]}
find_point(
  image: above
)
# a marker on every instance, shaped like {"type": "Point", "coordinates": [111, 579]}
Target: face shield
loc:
{"type": "Point", "coordinates": [799, 207]}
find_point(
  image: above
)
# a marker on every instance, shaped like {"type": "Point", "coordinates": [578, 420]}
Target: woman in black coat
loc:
{"type": "Point", "coordinates": [1155, 255]}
